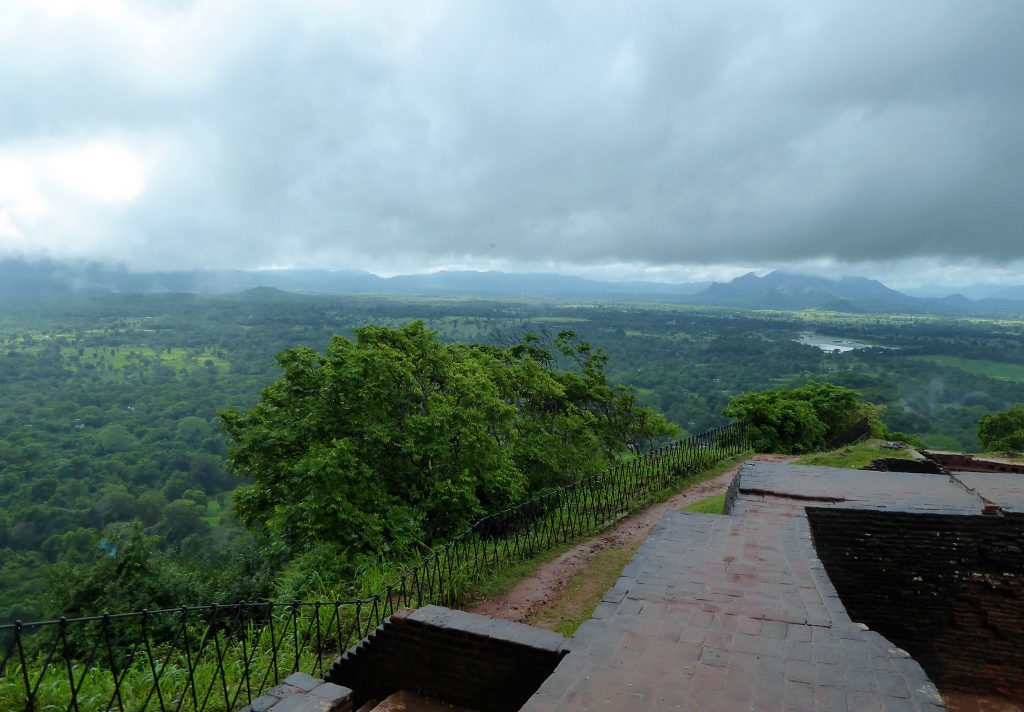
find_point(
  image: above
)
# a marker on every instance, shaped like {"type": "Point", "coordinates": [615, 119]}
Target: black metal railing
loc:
{"type": "Point", "coordinates": [221, 657]}
{"type": "Point", "coordinates": [853, 434]}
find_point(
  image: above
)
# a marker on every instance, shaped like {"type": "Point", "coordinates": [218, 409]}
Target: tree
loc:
{"type": "Point", "coordinates": [395, 439]}
{"type": "Point", "coordinates": [114, 437]}
{"type": "Point", "coordinates": [182, 518]}
{"type": "Point", "coordinates": [123, 573]}
{"type": "Point", "coordinates": [801, 419]}
{"type": "Point", "coordinates": [1003, 431]}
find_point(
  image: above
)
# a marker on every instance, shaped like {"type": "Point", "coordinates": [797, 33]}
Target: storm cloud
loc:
{"type": "Point", "coordinates": [230, 133]}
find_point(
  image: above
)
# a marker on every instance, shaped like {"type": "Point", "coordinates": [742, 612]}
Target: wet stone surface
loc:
{"type": "Point", "coordinates": [1005, 490]}
{"type": "Point", "coordinates": [303, 693]}
{"type": "Point", "coordinates": [737, 613]}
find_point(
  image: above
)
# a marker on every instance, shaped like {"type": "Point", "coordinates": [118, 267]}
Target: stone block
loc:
{"type": "Point", "coordinates": [334, 694]}
{"type": "Point", "coordinates": [262, 703]}
{"type": "Point", "coordinates": [303, 681]}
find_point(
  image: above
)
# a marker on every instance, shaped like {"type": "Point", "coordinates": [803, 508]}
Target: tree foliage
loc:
{"type": "Point", "coordinates": [158, 367]}
{"type": "Point", "coordinates": [1003, 431]}
{"type": "Point", "coordinates": [123, 569]}
{"type": "Point", "coordinates": [395, 439]}
{"type": "Point", "coordinates": [803, 419]}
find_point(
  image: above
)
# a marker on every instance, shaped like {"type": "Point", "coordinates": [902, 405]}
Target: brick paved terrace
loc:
{"type": "Point", "coordinates": [743, 611]}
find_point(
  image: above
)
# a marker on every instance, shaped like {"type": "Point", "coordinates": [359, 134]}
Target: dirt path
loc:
{"type": "Point", "coordinates": [545, 588]}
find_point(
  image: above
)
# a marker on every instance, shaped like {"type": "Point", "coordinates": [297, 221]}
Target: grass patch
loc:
{"type": "Point", "coordinates": [1003, 455]}
{"type": "Point", "coordinates": [992, 369]}
{"type": "Point", "coordinates": [584, 591]}
{"type": "Point", "coordinates": [714, 504]}
{"type": "Point", "coordinates": [854, 456]}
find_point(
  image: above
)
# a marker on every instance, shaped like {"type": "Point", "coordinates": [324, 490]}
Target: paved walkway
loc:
{"type": "Point", "coordinates": [736, 612]}
{"type": "Point", "coordinates": [1005, 490]}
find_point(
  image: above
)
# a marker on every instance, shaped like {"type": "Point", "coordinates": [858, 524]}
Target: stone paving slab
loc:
{"type": "Point", "coordinates": [303, 693]}
{"type": "Point", "coordinates": [860, 489]}
{"type": "Point", "coordinates": [737, 613]}
{"type": "Point", "coordinates": [1006, 490]}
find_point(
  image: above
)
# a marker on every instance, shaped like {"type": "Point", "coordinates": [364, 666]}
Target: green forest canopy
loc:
{"type": "Point", "coordinates": [110, 401]}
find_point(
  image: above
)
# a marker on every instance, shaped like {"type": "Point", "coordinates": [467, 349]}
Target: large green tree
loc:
{"type": "Point", "coordinates": [1003, 431]}
{"type": "Point", "coordinates": [395, 439]}
{"type": "Point", "coordinates": [803, 419]}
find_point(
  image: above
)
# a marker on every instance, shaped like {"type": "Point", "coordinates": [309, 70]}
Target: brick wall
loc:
{"type": "Point", "coordinates": [959, 461]}
{"type": "Point", "coordinates": [948, 589]}
{"type": "Point", "coordinates": [470, 660]}
{"type": "Point", "coordinates": [898, 464]}
{"type": "Point", "coordinates": [733, 491]}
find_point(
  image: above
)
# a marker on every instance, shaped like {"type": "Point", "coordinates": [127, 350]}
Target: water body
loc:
{"type": "Point", "coordinates": [831, 344]}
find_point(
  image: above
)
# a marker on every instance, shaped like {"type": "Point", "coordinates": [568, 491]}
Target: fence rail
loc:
{"type": "Point", "coordinates": [854, 434]}
{"type": "Point", "coordinates": [221, 657]}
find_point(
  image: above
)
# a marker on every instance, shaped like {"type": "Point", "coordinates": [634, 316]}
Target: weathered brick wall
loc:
{"type": "Point", "coordinates": [948, 589]}
{"type": "Point", "coordinates": [898, 464]}
{"type": "Point", "coordinates": [467, 659]}
{"type": "Point", "coordinates": [959, 461]}
{"type": "Point", "coordinates": [733, 491]}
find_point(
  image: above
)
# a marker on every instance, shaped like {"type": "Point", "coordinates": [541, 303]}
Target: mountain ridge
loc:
{"type": "Point", "coordinates": [776, 290]}
{"type": "Point", "coordinates": [22, 278]}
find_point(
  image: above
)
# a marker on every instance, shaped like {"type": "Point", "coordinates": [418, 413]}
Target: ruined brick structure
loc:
{"type": "Point", "coordinates": [471, 660]}
{"type": "Point", "coordinates": [947, 588]}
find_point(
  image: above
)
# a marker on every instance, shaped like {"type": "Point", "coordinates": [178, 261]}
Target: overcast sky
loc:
{"type": "Point", "coordinates": [667, 140]}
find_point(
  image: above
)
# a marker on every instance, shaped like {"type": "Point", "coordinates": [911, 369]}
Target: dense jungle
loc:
{"type": "Point", "coordinates": [113, 453]}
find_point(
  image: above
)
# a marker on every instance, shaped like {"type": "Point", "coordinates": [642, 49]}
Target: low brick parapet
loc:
{"type": "Point", "coordinates": [303, 693]}
{"type": "Point", "coordinates": [470, 660]}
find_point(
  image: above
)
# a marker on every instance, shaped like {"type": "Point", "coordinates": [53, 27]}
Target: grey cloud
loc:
{"type": "Point", "coordinates": [663, 133]}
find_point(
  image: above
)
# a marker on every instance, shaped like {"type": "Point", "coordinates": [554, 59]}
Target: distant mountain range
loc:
{"type": "Point", "coordinates": [783, 290]}
{"type": "Point", "coordinates": [20, 278]}
{"type": "Point", "coordinates": [977, 291]}
{"type": "Point", "coordinates": [776, 290]}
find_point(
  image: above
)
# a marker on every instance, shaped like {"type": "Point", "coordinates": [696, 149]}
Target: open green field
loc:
{"type": "Point", "coordinates": [120, 357]}
{"type": "Point", "coordinates": [992, 369]}
{"type": "Point", "coordinates": [558, 320]}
